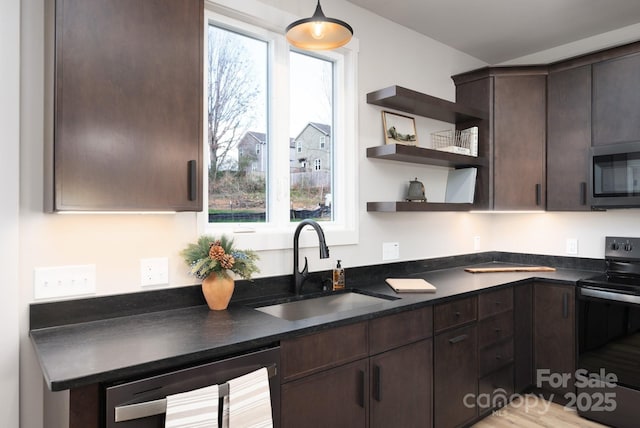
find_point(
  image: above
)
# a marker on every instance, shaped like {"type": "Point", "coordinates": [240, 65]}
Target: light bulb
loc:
{"type": "Point", "coordinates": [317, 31]}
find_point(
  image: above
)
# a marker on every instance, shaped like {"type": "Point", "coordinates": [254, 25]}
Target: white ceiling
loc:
{"type": "Point", "coordinates": [496, 31]}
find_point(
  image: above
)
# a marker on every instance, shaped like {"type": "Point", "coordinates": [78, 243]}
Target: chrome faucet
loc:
{"type": "Point", "coordinates": [300, 277]}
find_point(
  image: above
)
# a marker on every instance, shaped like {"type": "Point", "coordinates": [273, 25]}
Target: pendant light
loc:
{"type": "Point", "coordinates": [319, 32]}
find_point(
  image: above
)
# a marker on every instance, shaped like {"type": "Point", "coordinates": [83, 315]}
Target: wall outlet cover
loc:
{"type": "Point", "coordinates": [572, 246]}
{"type": "Point", "coordinates": [154, 271]}
{"type": "Point", "coordinates": [390, 250]}
{"type": "Point", "coordinates": [64, 281]}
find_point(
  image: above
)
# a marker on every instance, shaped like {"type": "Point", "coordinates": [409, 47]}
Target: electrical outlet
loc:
{"type": "Point", "coordinates": [64, 281]}
{"type": "Point", "coordinates": [154, 271]}
{"type": "Point", "coordinates": [390, 251]}
{"type": "Point", "coordinates": [572, 246]}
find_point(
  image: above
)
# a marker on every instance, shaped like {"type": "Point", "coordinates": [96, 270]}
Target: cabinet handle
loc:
{"type": "Point", "coordinates": [565, 305]}
{"type": "Point", "coordinates": [361, 392]}
{"type": "Point", "coordinates": [458, 338]}
{"type": "Point", "coordinates": [583, 193]}
{"type": "Point", "coordinates": [457, 314]}
{"type": "Point", "coordinates": [498, 330]}
{"type": "Point", "coordinates": [498, 303]}
{"type": "Point", "coordinates": [377, 380]}
{"type": "Point", "coordinates": [193, 179]}
{"type": "Point", "coordinates": [538, 194]}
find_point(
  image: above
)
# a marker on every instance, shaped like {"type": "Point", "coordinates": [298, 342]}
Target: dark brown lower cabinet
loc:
{"type": "Point", "coordinates": [333, 398]}
{"type": "Point", "coordinates": [455, 377]}
{"type": "Point", "coordinates": [371, 374]}
{"type": "Point", "coordinates": [401, 383]}
{"type": "Point", "coordinates": [554, 341]}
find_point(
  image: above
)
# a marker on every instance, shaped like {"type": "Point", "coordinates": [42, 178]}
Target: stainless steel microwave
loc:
{"type": "Point", "coordinates": [615, 176]}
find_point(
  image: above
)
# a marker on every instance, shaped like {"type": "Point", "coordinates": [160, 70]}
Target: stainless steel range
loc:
{"type": "Point", "coordinates": [608, 376]}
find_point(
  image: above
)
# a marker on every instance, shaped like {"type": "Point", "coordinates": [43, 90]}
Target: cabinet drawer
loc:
{"type": "Point", "coordinates": [495, 329]}
{"type": "Point", "coordinates": [400, 329]}
{"type": "Point", "coordinates": [495, 357]}
{"type": "Point", "coordinates": [498, 386]}
{"type": "Point", "coordinates": [495, 302]}
{"type": "Point", "coordinates": [455, 313]}
{"type": "Point", "coordinates": [304, 355]}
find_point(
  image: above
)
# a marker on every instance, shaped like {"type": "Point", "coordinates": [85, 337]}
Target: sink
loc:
{"type": "Point", "coordinates": [324, 304]}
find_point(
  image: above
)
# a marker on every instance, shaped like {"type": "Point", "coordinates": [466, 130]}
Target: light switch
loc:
{"type": "Point", "coordinates": [64, 281]}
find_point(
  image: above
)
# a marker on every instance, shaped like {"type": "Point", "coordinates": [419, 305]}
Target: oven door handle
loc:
{"type": "Point", "coordinates": [609, 295]}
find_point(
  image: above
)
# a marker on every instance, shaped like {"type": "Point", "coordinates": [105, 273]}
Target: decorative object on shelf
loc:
{"type": "Point", "coordinates": [319, 32]}
{"type": "Point", "coordinates": [416, 191]}
{"type": "Point", "coordinates": [462, 142]}
{"type": "Point", "coordinates": [211, 259]}
{"type": "Point", "coordinates": [399, 129]}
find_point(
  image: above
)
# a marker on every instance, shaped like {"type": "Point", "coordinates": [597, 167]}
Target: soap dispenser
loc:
{"type": "Point", "coordinates": [338, 277]}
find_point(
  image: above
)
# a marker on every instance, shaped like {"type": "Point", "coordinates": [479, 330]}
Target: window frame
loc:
{"type": "Point", "coordinates": [276, 233]}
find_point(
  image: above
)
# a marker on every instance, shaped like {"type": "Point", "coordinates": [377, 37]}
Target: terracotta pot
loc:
{"type": "Point", "coordinates": [217, 291]}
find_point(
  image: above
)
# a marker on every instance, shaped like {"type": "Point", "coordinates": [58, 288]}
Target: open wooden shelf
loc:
{"type": "Point", "coordinates": [404, 206]}
{"type": "Point", "coordinates": [408, 101]}
{"type": "Point", "coordinates": [420, 155]}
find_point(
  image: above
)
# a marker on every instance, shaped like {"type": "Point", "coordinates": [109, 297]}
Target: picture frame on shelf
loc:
{"type": "Point", "coordinates": [399, 129]}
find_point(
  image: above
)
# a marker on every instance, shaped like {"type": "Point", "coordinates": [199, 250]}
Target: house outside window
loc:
{"type": "Point", "coordinates": [273, 194]}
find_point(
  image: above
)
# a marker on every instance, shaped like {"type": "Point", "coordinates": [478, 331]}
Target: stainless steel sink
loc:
{"type": "Point", "coordinates": [324, 305]}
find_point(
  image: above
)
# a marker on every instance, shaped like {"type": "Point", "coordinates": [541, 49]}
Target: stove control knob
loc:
{"type": "Point", "coordinates": [628, 246]}
{"type": "Point", "coordinates": [615, 246]}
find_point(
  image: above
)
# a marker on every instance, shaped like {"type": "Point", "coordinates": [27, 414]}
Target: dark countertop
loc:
{"type": "Point", "coordinates": [138, 345]}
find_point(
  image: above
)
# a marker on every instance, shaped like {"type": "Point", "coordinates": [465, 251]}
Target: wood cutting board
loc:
{"type": "Point", "coordinates": [511, 269]}
{"type": "Point", "coordinates": [410, 285]}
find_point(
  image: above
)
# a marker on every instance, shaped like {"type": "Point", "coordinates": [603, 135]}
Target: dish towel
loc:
{"type": "Point", "coordinates": [193, 409]}
{"type": "Point", "coordinates": [249, 402]}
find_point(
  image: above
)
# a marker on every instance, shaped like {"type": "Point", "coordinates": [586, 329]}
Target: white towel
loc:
{"type": "Point", "coordinates": [193, 409]}
{"type": "Point", "coordinates": [249, 401]}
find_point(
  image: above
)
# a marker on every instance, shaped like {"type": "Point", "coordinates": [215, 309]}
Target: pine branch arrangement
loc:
{"type": "Point", "coordinates": [217, 255]}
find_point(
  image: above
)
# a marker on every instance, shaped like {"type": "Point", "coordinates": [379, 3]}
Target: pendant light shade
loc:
{"type": "Point", "coordinates": [319, 32]}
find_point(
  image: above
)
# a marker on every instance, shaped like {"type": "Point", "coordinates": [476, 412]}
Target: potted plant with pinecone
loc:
{"type": "Point", "coordinates": [213, 260]}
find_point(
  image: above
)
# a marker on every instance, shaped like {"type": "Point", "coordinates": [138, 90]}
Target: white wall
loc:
{"type": "Point", "coordinates": [9, 174]}
{"type": "Point", "coordinates": [389, 54]}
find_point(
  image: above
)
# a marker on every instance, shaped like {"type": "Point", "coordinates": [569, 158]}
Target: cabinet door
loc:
{"type": "Point", "coordinates": [523, 339]}
{"type": "Point", "coordinates": [455, 376]}
{"type": "Point", "coordinates": [401, 387]}
{"type": "Point", "coordinates": [333, 398]}
{"type": "Point", "coordinates": [128, 106]}
{"type": "Point", "coordinates": [568, 139]}
{"type": "Point", "coordinates": [519, 142]}
{"type": "Point", "coordinates": [615, 100]}
{"type": "Point", "coordinates": [554, 333]}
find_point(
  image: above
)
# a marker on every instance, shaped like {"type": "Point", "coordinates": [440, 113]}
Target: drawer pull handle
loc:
{"type": "Point", "coordinates": [498, 330]}
{"type": "Point", "coordinates": [498, 357]}
{"type": "Point", "coordinates": [457, 314]}
{"type": "Point", "coordinates": [458, 339]}
{"type": "Point", "coordinates": [498, 303]}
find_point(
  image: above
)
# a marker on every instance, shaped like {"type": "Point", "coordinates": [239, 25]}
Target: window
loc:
{"type": "Point", "coordinates": [303, 98]}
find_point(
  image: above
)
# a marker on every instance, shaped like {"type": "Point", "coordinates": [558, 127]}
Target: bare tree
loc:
{"type": "Point", "coordinates": [232, 93]}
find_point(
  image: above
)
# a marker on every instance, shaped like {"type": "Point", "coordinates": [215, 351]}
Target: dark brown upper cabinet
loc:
{"type": "Point", "coordinates": [616, 105]}
{"type": "Point", "coordinates": [568, 138]}
{"type": "Point", "coordinates": [128, 106]}
{"type": "Point", "coordinates": [516, 133]}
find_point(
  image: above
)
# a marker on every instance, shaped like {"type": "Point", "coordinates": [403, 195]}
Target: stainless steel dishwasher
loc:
{"type": "Point", "coordinates": [141, 403]}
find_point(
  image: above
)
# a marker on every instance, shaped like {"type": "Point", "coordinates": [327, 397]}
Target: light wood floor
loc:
{"type": "Point", "coordinates": [535, 415]}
